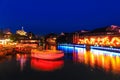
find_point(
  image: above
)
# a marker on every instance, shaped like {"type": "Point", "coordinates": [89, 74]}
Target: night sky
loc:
{"type": "Point", "coordinates": [45, 16]}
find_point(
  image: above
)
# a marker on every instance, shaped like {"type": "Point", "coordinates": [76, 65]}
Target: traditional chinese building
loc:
{"type": "Point", "coordinates": [21, 32]}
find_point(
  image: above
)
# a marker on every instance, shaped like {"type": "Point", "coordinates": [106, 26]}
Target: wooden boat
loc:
{"type": "Point", "coordinates": [47, 54]}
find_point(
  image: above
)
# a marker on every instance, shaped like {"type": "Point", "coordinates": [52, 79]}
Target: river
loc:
{"type": "Point", "coordinates": [77, 64]}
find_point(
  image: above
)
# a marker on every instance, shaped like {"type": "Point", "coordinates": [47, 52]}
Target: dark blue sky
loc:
{"type": "Point", "coordinates": [44, 16]}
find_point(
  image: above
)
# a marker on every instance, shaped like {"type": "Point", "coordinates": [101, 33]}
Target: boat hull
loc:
{"type": "Point", "coordinates": [49, 55]}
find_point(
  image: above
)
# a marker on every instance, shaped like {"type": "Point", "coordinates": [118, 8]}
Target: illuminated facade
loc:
{"type": "Point", "coordinates": [109, 36]}
{"type": "Point", "coordinates": [21, 32]}
{"type": "Point", "coordinates": [5, 41]}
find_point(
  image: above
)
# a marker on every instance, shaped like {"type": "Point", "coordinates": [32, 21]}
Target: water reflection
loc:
{"type": "Point", "coordinates": [109, 61]}
{"type": "Point", "coordinates": [22, 58]}
{"type": "Point", "coordinates": [6, 58]}
{"type": "Point", "coordinates": [45, 65]}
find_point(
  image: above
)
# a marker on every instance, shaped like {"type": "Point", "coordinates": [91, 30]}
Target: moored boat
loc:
{"type": "Point", "coordinates": [47, 54]}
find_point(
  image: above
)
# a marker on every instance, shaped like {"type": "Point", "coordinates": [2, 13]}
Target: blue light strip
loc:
{"type": "Point", "coordinates": [73, 45]}
{"type": "Point", "coordinates": [69, 48]}
{"type": "Point", "coordinates": [94, 51]}
{"type": "Point", "coordinates": [106, 48]}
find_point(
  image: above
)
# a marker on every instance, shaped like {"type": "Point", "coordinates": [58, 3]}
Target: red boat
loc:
{"type": "Point", "coordinates": [47, 54]}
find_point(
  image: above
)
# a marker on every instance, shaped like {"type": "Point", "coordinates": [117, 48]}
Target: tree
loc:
{"type": "Point", "coordinates": [14, 37]}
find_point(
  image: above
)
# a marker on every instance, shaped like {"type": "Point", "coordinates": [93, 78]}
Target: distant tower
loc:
{"type": "Point", "coordinates": [21, 32]}
{"type": "Point", "coordinates": [22, 28]}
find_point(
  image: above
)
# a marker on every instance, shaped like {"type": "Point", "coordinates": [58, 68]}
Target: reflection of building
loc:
{"type": "Point", "coordinates": [108, 61]}
{"type": "Point", "coordinates": [22, 60]}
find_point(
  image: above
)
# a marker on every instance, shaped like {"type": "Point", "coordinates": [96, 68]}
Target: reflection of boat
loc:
{"type": "Point", "coordinates": [45, 65]}
{"type": "Point", "coordinates": [47, 54]}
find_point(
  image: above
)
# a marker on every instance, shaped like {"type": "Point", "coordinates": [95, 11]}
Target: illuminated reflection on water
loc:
{"type": "Point", "coordinates": [109, 61]}
{"type": "Point", "coordinates": [46, 65]}
{"type": "Point", "coordinates": [77, 64]}
{"type": "Point", "coordinates": [100, 62]}
{"type": "Point", "coordinates": [21, 59]}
